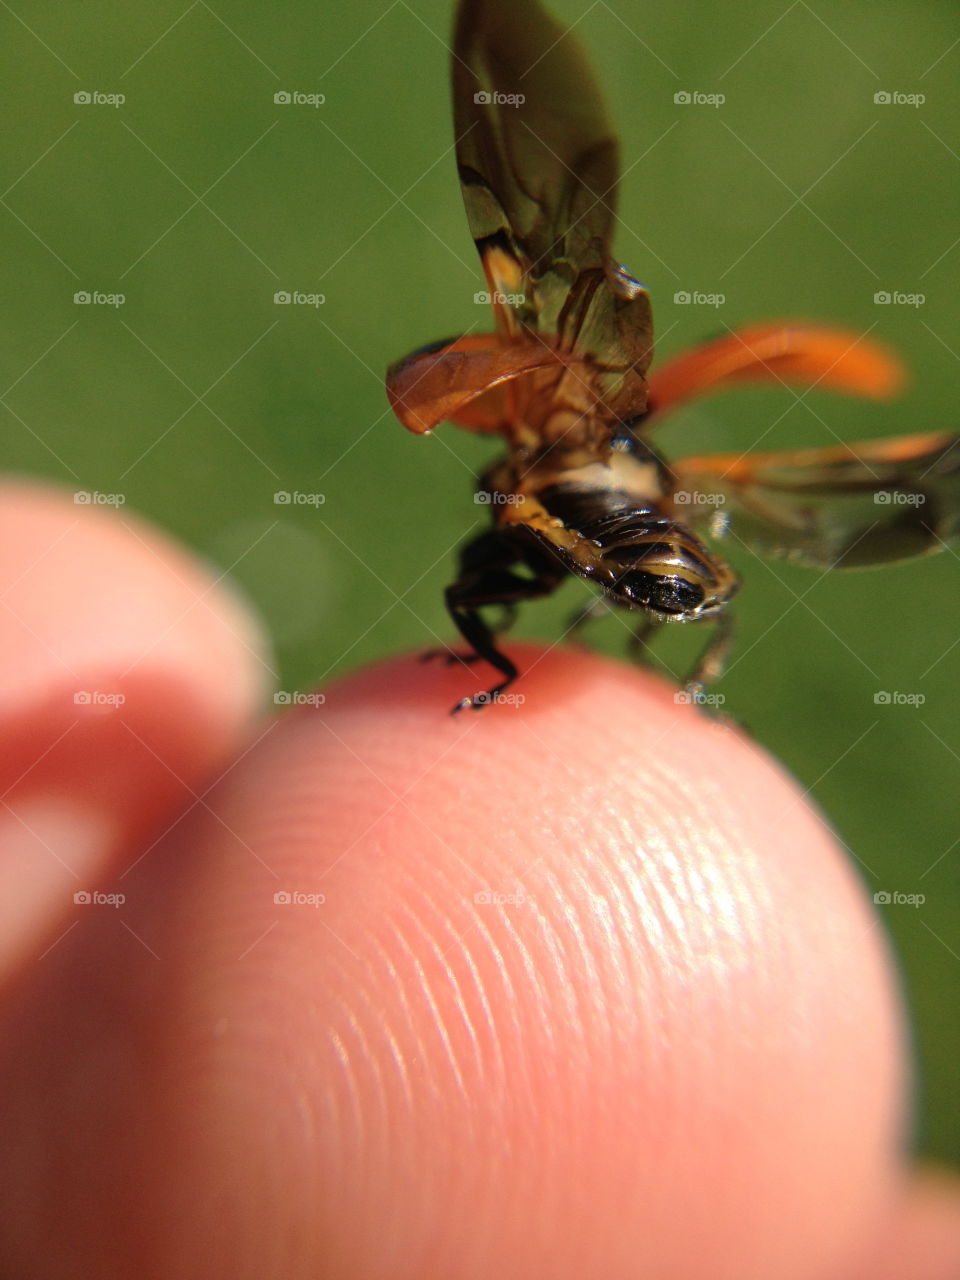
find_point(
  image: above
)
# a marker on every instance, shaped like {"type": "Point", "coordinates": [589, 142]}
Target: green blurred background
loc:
{"type": "Point", "coordinates": [198, 398]}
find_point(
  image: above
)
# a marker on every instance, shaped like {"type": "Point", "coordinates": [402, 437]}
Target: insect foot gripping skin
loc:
{"type": "Point", "coordinates": [563, 379]}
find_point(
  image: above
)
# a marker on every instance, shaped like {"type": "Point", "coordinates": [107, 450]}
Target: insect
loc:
{"type": "Point", "coordinates": [563, 379]}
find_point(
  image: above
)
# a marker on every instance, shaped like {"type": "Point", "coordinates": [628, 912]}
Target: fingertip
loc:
{"type": "Point", "coordinates": [92, 588]}
{"type": "Point", "coordinates": [126, 672]}
{"type": "Point", "coordinates": [590, 960]}
{"type": "Point", "coordinates": [920, 1237]}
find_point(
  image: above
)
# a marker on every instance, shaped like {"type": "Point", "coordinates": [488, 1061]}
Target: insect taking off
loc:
{"type": "Point", "coordinates": [563, 379]}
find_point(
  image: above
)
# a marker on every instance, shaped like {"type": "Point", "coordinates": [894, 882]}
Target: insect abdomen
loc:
{"type": "Point", "coordinates": [641, 558]}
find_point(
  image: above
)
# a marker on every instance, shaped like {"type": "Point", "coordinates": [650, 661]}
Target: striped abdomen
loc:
{"type": "Point", "coordinates": [641, 558]}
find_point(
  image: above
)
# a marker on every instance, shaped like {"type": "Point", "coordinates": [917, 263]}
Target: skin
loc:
{"type": "Point", "coordinates": [592, 989]}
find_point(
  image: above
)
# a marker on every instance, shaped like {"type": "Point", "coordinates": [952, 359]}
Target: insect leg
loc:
{"type": "Point", "coordinates": [712, 661]}
{"type": "Point", "coordinates": [487, 551]}
{"type": "Point", "coordinates": [486, 578]}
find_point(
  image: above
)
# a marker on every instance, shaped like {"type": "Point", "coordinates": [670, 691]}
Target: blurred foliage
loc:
{"type": "Point", "coordinates": [198, 398]}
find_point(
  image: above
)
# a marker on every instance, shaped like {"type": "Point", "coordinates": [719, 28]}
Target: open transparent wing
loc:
{"type": "Point", "coordinates": [847, 507]}
{"type": "Point", "coordinates": [461, 380]}
{"type": "Point", "coordinates": [538, 166]}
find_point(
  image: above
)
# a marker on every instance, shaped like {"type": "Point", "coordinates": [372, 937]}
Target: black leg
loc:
{"type": "Point", "coordinates": [489, 550]}
{"type": "Point", "coordinates": [486, 578]}
{"type": "Point", "coordinates": [506, 620]}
